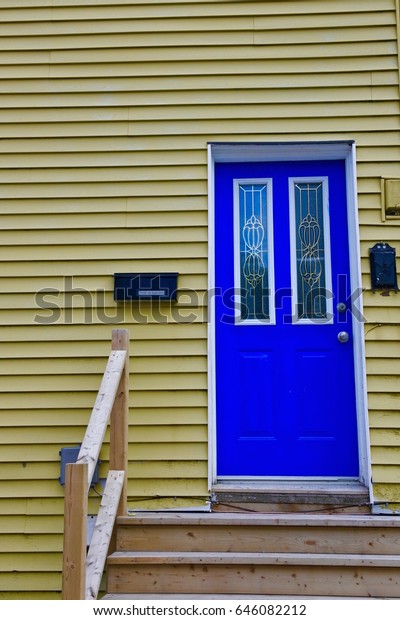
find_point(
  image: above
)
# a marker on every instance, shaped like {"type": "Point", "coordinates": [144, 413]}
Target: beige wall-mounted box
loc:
{"type": "Point", "coordinates": [390, 198]}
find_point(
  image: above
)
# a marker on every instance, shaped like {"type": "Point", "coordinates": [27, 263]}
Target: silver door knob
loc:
{"type": "Point", "coordinates": [343, 337]}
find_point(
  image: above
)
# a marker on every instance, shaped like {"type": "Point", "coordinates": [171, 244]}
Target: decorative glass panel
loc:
{"type": "Point", "coordinates": [310, 250]}
{"type": "Point", "coordinates": [253, 244]}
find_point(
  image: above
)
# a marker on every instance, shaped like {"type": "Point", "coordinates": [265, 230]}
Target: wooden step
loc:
{"type": "Point", "coordinates": [198, 597]}
{"type": "Point", "coordinates": [299, 574]}
{"type": "Point", "coordinates": [293, 533]}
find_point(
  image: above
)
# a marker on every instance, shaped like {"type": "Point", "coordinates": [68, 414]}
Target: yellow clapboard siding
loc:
{"type": "Point", "coordinates": [188, 280]}
{"type": "Point", "coordinates": [385, 437]}
{"type": "Point", "coordinates": [183, 314]}
{"type": "Point", "coordinates": [386, 474]}
{"type": "Point", "coordinates": [43, 65]}
{"type": "Point", "coordinates": [105, 159]}
{"type": "Point", "coordinates": [377, 300]}
{"type": "Point", "coordinates": [320, 130]}
{"type": "Point", "coordinates": [101, 297]}
{"type": "Point", "coordinates": [177, 416]}
{"type": "Point", "coordinates": [189, 381]}
{"type": "Point", "coordinates": [138, 434]}
{"type": "Point", "coordinates": [42, 452]}
{"type": "Point", "coordinates": [102, 145]}
{"type": "Point", "coordinates": [381, 332]}
{"type": "Point", "coordinates": [157, 450]}
{"type": "Point", "coordinates": [371, 217]}
{"type": "Point", "coordinates": [31, 596]}
{"type": "Point", "coordinates": [80, 417]}
{"type": "Point", "coordinates": [39, 400]}
{"type": "Point", "coordinates": [120, 221]}
{"type": "Point", "coordinates": [168, 433]}
{"type": "Point", "coordinates": [64, 417]}
{"type": "Point", "coordinates": [380, 169]}
{"type": "Point", "coordinates": [37, 562]}
{"type": "Point", "coordinates": [30, 471]}
{"type": "Point", "coordinates": [346, 98]}
{"type": "Point", "coordinates": [33, 453]}
{"type": "Point", "coordinates": [387, 492]}
{"type": "Point", "coordinates": [38, 383]}
{"type": "Point", "coordinates": [383, 366]}
{"type": "Point", "coordinates": [385, 350]}
{"type": "Point", "coordinates": [98, 189]}
{"type": "Point", "coordinates": [165, 8]}
{"type": "Point", "coordinates": [165, 82]}
{"type": "Point", "coordinates": [33, 524]}
{"type": "Point", "coordinates": [390, 231]}
{"type": "Point", "coordinates": [102, 333]}
{"type": "Point", "coordinates": [112, 252]}
{"type": "Point", "coordinates": [31, 581]}
{"type": "Point", "coordinates": [382, 314]}
{"type": "Point", "coordinates": [98, 206]}
{"type": "Point", "coordinates": [121, 26]}
{"type": "Point", "coordinates": [99, 23]}
{"type": "Point", "coordinates": [48, 155]}
{"type": "Point", "coordinates": [118, 174]}
{"type": "Point", "coordinates": [226, 52]}
{"type": "Point", "coordinates": [183, 487]}
{"type": "Point", "coordinates": [66, 435]}
{"type": "Point", "coordinates": [205, 120]}
{"type": "Point", "coordinates": [384, 384]}
{"type": "Point", "coordinates": [34, 542]}
{"type": "Point", "coordinates": [96, 131]}
{"type": "Point", "coordinates": [149, 348]}
{"type": "Point", "coordinates": [386, 401]}
{"type": "Point", "coordinates": [384, 419]}
{"type": "Point", "coordinates": [170, 364]}
{"type": "Point", "coordinates": [142, 40]}
{"type": "Point", "coordinates": [247, 34]}
{"type": "Point", "coordinates": [91, 269]}
{"type": "Point", "coordinates": [167, 469]}
{"type": "Point", "coordinates": [89, 366]}
{"type": "Point", "coordinates": [41, 506]}
{"type": "Point", "coordinates": [386, 456]}
{"type": "Point", "coordinates": [33, 66]}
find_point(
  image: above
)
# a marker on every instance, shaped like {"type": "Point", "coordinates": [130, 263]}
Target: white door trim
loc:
{"type": "Point", "coordinates": [294, 151]}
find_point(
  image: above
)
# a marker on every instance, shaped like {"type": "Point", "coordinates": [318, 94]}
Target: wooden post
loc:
{"type": "Point", "coordinates": [119, 418]}
{"type": "Point", "coordinates": [75, 515]}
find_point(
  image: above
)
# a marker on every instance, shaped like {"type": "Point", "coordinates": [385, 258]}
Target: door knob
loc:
{"type": "Point", "coordinates": [343, 337]}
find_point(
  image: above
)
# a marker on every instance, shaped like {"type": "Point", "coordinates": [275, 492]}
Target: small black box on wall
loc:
{"type": "Point", "coordinates": [382, 259]}
{"type": "Point", "coordinates": [145, 286]}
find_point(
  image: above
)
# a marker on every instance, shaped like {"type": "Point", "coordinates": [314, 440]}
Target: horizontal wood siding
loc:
{"type": "Point", "coordinates": [105, 111]}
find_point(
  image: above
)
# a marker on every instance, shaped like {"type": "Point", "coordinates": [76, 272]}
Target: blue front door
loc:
{"type": "Point", "coordinates": [284, 366]}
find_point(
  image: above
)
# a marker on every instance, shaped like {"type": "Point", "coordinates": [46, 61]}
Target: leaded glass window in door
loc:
{"type": "Point", "coordinates": [310, 248]}
{"type": "Point", "coordinates": [254, 255]}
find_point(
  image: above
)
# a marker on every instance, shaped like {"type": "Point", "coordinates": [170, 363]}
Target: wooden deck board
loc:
{"type": "Point", "coordinates": [265, 559]}
{"type": "Point", "coordinates": [257, 519]}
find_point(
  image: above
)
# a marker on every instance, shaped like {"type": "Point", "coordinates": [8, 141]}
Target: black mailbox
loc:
{"type": "Point", "coordinates": [383, 267]}
{"type": "Point", "coordinates": [145, 286]}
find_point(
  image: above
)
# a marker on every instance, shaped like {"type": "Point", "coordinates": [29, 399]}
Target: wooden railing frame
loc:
{"type": "Point", "coordinates": [82, 572]}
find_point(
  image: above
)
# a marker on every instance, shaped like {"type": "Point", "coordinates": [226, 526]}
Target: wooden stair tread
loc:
{"type": "Point", "coordinates": [255, 555]}
{"type": "Point", "coordinates": [116, 596]}
{"type": "Point", "coordinates": [258, 519]}
{"type": "Point", "coordinates": [321, 559]}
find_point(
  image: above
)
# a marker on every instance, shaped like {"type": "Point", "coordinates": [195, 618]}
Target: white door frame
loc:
{"type": "Point", "coordinates": [294, 151]}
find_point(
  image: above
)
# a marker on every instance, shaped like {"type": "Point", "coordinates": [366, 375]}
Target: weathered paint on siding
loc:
{"type": "Point", "coordinates": [105, 112]}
